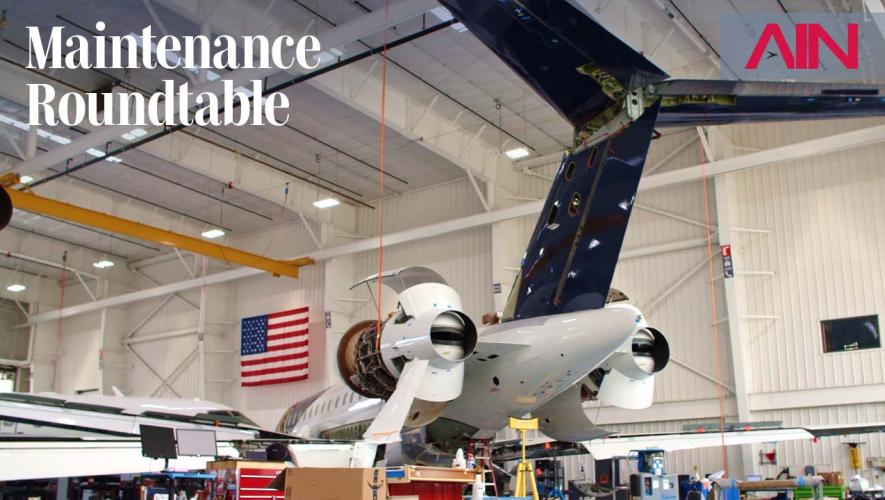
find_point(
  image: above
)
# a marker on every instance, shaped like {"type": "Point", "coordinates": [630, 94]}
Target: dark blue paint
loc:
{"type": "Point", "coordinates": [772, 108]}
{"type": "Point", "coordinates": [569, 264]}
{"type": "Point", "coordinates": [545, 42]}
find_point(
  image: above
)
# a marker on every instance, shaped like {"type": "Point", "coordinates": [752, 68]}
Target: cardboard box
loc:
{"type": "Point", "coordinates": [833, 478]}
{"type": "Point", "coordinates": [313, 483]}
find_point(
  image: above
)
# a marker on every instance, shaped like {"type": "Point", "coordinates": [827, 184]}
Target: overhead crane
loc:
{"type": "Point", "coordinates": [26, 200]}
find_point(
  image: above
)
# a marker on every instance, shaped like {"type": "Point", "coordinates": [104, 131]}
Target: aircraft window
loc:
{"type": "Point", "coordinates": [591, 157]}
{"type": "Point", "coordinates": [570, 170]}
{"type": "Point", "coordinates": [551, 217]}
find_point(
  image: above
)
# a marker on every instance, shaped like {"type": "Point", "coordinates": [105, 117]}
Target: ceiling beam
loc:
{"type": "Point", "coordinates": [838, 142]}
{"type": "Point", "coordinates": [199, 154]}
{"type": "Point", "coordinates": [335, 37]}
{"type": "Point", "coordinates": [799, 150]}
{"type": "Point", "coordinates": [361, 91]}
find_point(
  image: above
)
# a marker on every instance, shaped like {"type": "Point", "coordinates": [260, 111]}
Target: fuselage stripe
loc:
{"type": "Point", "coordinates": [277, 369]}
{"type": "Point", "coordinates": [273, 359]}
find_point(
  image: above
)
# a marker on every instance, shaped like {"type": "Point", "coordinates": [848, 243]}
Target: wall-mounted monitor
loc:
{"type": "Point", "coordinates": [157, 442]}
{"type": "Point", "coordinates": [197, 443]}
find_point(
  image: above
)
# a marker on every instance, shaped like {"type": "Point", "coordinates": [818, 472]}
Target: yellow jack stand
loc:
{"type": "Point", "coordinates": [524, 471]}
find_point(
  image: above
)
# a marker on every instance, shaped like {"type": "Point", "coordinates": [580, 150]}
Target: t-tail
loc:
{"type": "Point", "coordinates": [614, 97]}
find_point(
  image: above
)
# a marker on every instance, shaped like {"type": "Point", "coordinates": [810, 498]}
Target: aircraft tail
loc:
{"type": "Point", "coordinates": [571, 257]}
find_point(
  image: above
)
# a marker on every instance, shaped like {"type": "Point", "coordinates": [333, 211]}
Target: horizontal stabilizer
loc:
{"type": "Point", "coordinates": [718, 102]}
{"type": "Point", "coordinates": [574, 63]}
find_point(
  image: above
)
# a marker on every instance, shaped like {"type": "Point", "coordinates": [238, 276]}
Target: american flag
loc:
{"type": "Point", "coordinates": [273, 348]}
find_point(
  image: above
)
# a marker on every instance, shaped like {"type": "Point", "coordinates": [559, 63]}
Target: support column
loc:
{"type": "Point", "coordinates": [716, 147]}
{"type": "Point", "coordinates": [735, 308]}
{"type": "Point", "coordinates": [201, 333]}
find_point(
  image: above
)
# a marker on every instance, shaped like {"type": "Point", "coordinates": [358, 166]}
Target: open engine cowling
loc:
{"type": "Point", "coordinates": [428, 325]}
{"type": "Point", "coordinates": [627, 377]}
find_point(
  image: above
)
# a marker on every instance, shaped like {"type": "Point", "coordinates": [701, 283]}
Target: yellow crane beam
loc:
{"type": "Point", "coordinates": [31, 202]}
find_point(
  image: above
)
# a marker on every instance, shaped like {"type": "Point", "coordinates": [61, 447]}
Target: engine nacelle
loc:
{"type": "Point", "coordinates": [649, 353]}
{"type": "Point", "coordinates": [628, 375]}
{"type": "Point", "coordinates": [428, 325]}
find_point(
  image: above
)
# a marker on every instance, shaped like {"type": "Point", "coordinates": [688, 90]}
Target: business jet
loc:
{"type": "Point", "coordinates": [426, 377]}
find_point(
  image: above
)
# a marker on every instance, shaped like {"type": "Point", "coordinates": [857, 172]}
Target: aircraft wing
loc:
{"type": "Point", "coordinates": [22, 459]}
{"type": "Point", "coordinates": [622, 445]}
{"type": "Point", "coordinates": [699, 437]}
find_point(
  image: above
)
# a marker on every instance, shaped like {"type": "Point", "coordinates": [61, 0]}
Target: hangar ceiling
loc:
{"type": "Point", "coordinates": [330, 145]}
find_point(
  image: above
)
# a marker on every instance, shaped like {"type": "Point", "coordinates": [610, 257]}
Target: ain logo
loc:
{"type": "Point", "coordinates": [808, 38]}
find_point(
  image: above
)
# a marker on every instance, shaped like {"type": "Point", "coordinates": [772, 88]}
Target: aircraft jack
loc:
{"type": "Point", "coordinates": [524, 471]}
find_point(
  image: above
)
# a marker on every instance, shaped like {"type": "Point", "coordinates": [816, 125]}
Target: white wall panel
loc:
{"type": "Point", "coordinates": [421, 207]}
{"type": "Point", "coordinates": [265, 294]}
{"type": "Point", "coordinates": [828, 453]}
{"type": "Point", "coordinates": [462, 258]}
{"type": "Point", "coordinates": [828, 232]}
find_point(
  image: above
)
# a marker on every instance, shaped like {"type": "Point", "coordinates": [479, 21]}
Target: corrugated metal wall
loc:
{"type": "Point", "coordinates": [265, 294]}
{"type": "Point", "coordinates": [462, 258]}
{"type": "Point", "coordinates": [829, 453]}
{"type": "Point", "coordinates": [826, 248]}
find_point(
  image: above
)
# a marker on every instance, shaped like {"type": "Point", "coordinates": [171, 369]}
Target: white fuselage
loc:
{"type": "Point", "coordinates": [518, 366]}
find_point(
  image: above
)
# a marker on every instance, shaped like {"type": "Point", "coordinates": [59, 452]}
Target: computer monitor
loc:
{"type": "Point", "coordinates": [157, 442]}
{"type": "Point", "coordinates": [197, 443]}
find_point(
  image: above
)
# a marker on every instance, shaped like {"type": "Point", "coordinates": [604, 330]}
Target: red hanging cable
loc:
{"type": "Point", "coordinates": [61, 306]}
{"type": "Point", "coordinates": [714, 308]}
{"type": "Point", "coordinates": [381, 184]}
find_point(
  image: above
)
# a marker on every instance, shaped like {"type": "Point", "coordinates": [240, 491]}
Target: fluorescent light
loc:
{"type": "Point", "coordinates": [213, 233]}
{"type": "Point", "coordinates": [103, 264]}
{"type": "Point", "coordinates": [17, 287]}
{"type": "Point", "coordinates": [517, 153]}
{"type": "Point", "coordinates": [53, 137]}
{"type": "Point", "coordinates": [444, 15]}
{"type": "Point", "coordinates": [135, 134]}
{"type": "Point", "coordinates": [25, 179]}
{"type": "Point", "coordinates": [327, 203]}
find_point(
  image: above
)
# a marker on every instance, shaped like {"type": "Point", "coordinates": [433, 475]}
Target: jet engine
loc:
{"type": "Point", "coordinates": [626, 379]}
{"type": "Point", "coordinates": [428, 330]}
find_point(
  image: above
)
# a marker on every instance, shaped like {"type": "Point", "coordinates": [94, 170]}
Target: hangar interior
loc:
{"type": "Point", "coordinates": [799, 204]}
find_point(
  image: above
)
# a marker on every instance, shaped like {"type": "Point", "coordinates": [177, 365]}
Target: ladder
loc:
{"type": "Point", "coordinates": [482, 454]}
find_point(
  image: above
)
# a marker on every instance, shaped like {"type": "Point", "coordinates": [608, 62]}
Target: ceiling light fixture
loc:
{"type": "Point", "coordinates": [516, 153]}
{"type": "Point", "coordinates": [103, 264]}
{"type": "Point", "coordinates": [25, 179]}
{"type": "Point", "coordinates": [16, 287]}
{"type": "Point", "coordinates": [213, 233]}
{"type": "Point", "coordinates": [327, 203]}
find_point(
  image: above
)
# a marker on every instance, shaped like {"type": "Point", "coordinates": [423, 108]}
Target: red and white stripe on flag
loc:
{"type": "Point", "coordinates": [275, 348]}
